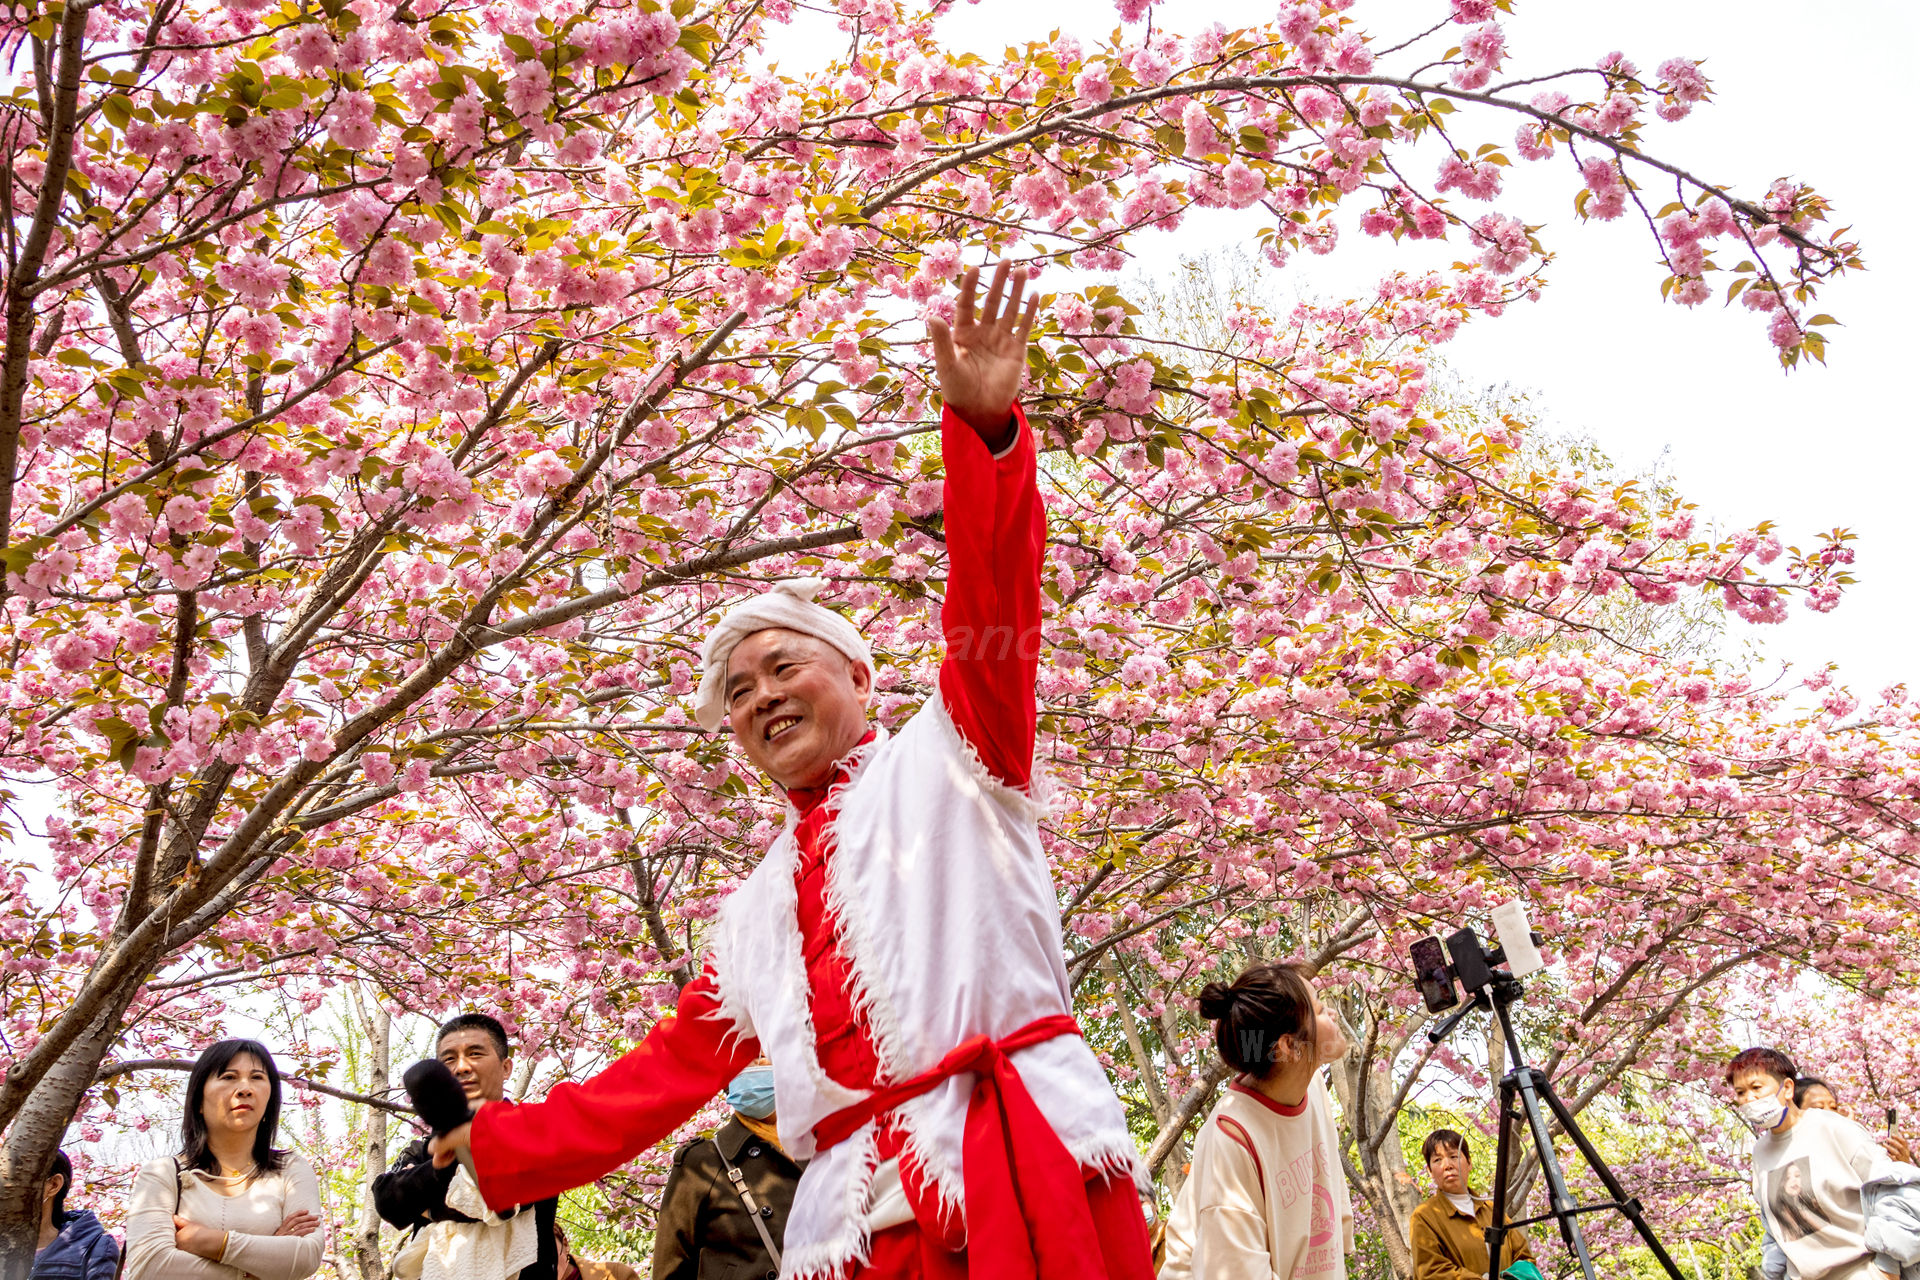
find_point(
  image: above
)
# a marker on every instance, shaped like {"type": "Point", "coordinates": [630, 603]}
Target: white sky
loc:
{"type": "Point", "coordinates": [1813, 92]}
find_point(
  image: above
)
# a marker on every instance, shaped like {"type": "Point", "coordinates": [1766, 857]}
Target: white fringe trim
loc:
{"type": "Point", "coordinates": [721, 959]}
{"type": "Point", "coordinates": [851, 1245]}
{"type": "Point", "coordinates": [852, 934]}
{"type": "Point", "coordinates": [853, 764]}
{"type": "Point", "coordinates": [784, 909]}
{"type": "Point", "coordinates": [1032, 803]}
{"type": "Point", "coordinates": [1114, 1160]}
{"type": "Point", "coordinates": [774, 908]}
{"type": "Point", "coordinates": [732, 1011]}
{"type": "Point", "coordinates": [946, 1177]}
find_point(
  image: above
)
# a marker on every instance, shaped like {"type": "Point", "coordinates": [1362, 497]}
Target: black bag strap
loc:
{"type": "Point", "coordinates": [739, 1181]}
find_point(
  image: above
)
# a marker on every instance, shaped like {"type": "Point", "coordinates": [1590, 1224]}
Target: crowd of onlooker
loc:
{"type": "Point", "coordinates": [1264, 1198]}
{"type": "Point", "coordinates": [232, 1203]}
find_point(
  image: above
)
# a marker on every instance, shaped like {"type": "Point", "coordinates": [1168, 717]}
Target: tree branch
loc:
{"type": "Point", "coordinates": [63, 125]}
{"type": "Point", "coordinates": [112, 1069]}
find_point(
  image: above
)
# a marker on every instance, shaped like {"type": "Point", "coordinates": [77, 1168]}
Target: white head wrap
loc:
{"type": "Point", "coordinates": [788, 606]}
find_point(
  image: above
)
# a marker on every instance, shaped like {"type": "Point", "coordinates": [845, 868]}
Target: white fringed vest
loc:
{"type": "Point", "coordinates": [948, 918]}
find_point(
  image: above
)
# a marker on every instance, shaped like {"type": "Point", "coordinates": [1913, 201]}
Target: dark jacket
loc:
{"type": "Point", "coordinates": [82, 1251]}
{"type": "Point", "coordinates": [704, 1232]}
{"type": "Point", "coordinates": [414, 1193]}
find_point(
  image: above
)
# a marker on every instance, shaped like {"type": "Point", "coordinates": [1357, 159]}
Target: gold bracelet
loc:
{"type": "Point", "coordinates": [226, 1238]}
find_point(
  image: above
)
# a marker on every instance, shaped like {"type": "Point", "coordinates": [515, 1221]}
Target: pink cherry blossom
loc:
{"type": "Point", "coordinates": [1095, 84]}
{"type": "Point", "coordinates": [543, 471]}
{"type": "Point", "coordinates": [1477, 180]}
{"type": "Point", "coordinates": [350, 121]}
{"type": "Point", "coordinates": [1504, 243]}
{"type": "Point", "coordinates": [1243, 185]}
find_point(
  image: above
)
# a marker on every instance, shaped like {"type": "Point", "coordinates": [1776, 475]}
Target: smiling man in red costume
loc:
{"type": "Point", "coordinates": [897, 953]}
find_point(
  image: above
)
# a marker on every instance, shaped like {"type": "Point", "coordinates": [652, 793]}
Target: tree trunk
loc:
{"type": "Point", "coordinates": [1378, 1166]}
{"type": "Point", "coordinates": [1192, 1104]}
{"type": "Point", "coordinates": [37, 1131]}
{"type": "Point", "coordinates": [378, 1025]}
{"type": "Point", "coordinates": [1172, 1171]}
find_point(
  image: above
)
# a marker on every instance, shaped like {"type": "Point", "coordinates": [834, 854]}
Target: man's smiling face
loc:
{"type": "Point", "coordinates": [795, 704]}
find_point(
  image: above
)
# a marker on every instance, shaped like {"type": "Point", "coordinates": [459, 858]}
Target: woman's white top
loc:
{"type": "Point", "coordinates": [251, 1218]}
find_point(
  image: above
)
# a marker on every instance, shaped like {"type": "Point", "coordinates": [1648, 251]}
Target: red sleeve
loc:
{"type": "Point", "coordinates": [526, 1152]}
{"type": "Point", "coordinates": [996, 535]}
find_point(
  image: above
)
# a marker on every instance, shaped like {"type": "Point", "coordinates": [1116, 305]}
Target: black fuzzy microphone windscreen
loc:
{"type": "Point", "coordinates": [437, 1096]}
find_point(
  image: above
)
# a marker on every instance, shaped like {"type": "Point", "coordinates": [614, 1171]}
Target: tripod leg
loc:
{"type": "Point", "coordinates": [1527, 1080]}
{"type": "Point", "coordinates": [1497, 1233]}
{"type": "Point", "coordinates": [1628, 1205]}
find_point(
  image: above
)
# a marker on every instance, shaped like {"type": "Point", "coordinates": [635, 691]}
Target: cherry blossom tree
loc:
{"type": "Point", "coordinates": [391, 391]}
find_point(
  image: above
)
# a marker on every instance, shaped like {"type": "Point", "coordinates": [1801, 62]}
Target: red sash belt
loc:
{"type": "Point", "coordinates": [1026, 1209]}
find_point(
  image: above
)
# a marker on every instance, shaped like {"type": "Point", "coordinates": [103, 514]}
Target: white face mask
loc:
{"type": "Point", "coordinates": [1763, 1115]}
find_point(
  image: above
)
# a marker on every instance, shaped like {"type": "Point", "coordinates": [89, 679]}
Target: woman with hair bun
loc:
{"type": "Point", "coordinates": [1266, 1199]}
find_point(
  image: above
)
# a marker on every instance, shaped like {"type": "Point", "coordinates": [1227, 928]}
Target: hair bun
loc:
{"type": "Point", "coordinates": [1217, 1000]}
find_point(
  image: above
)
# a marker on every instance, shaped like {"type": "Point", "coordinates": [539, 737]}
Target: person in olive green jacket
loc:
{"type": "Point", "coordinates": [705, 1228]}
{"type": "Point", "coordinates": [1448, 1233]}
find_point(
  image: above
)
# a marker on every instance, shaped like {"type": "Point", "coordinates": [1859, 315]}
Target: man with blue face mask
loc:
{"type": "Point", "coordinates": [713, 1223]}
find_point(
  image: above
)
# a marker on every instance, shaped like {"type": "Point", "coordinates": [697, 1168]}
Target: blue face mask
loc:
{"type": "Point", "coordinates": [751, 1093]}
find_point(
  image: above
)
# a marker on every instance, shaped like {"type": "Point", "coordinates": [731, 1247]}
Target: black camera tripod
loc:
{"type": "Point", "coordinates": [1522, 1091]}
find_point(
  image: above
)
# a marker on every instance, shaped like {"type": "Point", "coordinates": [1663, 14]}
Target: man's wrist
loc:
{"type": "Point", "coordinates": [996, 431]}
{"type": "Point", "coordinates": [1007, 437]}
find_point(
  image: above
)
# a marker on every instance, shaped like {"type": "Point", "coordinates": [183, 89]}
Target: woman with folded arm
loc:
{"type": "Point", "coordinates": [231, 1203]}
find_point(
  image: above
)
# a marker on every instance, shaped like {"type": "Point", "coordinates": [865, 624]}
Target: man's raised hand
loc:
{"type": "Point", "coordinates": [981, 358]}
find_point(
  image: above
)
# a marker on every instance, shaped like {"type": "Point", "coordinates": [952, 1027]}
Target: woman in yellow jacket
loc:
{"type": "Point", "coordinates": [1448, 1233]}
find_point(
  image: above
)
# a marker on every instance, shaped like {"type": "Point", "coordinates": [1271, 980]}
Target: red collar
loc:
{"type": "Point", "coordinates": [807, 799]}
{"type": "Point", "coordinates": [1269, 1103]}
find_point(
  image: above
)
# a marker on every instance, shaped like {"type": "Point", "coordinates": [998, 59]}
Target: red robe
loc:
{"type": "Point", "coordinates": [996, 538]}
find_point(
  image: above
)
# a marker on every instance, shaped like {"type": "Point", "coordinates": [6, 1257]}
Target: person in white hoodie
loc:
{"type": "Point", "coordinates": [1833, 1205]}
{"type": "Point", "coordinates": [1266, 1198]}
